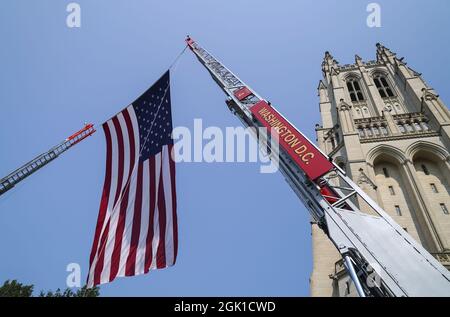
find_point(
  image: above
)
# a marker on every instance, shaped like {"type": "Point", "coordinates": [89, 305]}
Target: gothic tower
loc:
{"type": "Point", "coordinates": [390, 132]}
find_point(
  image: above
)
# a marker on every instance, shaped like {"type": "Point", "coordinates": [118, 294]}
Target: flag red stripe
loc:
{"type": "Point", "coordinates": [120, 158]}
{"type": "Point", "coordinates": [151, 215]}
{"type": "Point", "coordinates": [131, 259]}
{"type": "Point", "coordinates": [115, 258]}
{"type": "Point", "coordinates": [105, 194]}
{"type": "Point", "coordinates": [174, 205]}
{"type": "Point", "coordinates": [120, 165]}
{"type": "Point", "coordinates": [99, 266]}
{"type": "Point", "coordinates": [161, 252]}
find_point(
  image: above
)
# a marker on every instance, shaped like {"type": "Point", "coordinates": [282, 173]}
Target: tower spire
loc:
{"type": "Point", "coordinates": [329, 62]}
{"type": "Point", "coordinates": [385, 54]}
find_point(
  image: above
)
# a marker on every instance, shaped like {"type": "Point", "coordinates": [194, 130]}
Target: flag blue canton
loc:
{"type": "Point", "coordinates": [154, 116]}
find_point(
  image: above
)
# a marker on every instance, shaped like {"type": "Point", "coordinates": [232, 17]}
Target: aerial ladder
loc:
{"type": "Point", "coordinates": [9, 181]}
{"type": "Point", "coordinates": [381, 258]}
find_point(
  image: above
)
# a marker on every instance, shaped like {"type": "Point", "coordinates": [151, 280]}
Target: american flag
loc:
{"type": "Point", "coordinates": [137, 223]}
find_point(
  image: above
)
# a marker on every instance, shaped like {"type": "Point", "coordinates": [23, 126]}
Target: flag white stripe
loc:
{"type": "Point", "coordinates": [140, 253]}
{"type": "Point", "coordinates": [155, 241]}
{"type": "Point", "coordinates": [105, 276]}
{"type": "Point", "coordinates": [126, 239]}
{"type": "Point", "coordinates": [112, 195]}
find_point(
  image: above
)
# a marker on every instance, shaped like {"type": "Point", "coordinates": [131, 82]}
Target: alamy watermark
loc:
{"type": "Point", "coordinates": [374, 17]}
{"type": "Point", "coordinates": [73, 19]}
{"type": "Point", "coordinates": [74, 277]}
{"type": "Point", "coordinates": [234, 145]}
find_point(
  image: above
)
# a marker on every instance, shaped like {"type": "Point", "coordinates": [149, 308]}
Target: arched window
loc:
{"type": "Point", "coordinates": [425, 169]}
{"type": "Point", "coordinates": [354, 89]}
{"type": "Point", "coordinates": [383, 86]}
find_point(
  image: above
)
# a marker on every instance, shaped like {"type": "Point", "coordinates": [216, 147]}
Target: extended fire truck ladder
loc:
{"type": "Point", "coordinates": [40, 161]}
{"type": "Point", "coordinates": [381, 258]}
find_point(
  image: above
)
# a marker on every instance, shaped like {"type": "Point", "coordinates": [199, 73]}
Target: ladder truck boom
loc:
{"type": "Point", "coordinates": [381, 258]}
{"type": "Point", "coordinates": [40, 161]}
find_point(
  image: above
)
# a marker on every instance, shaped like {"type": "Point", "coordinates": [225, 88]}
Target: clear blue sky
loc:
{"type": "Point", "coordinates": [241, 232]}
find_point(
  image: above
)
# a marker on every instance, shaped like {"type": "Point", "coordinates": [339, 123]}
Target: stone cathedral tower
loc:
{"type": "Point", "coordinates": [390, 131]}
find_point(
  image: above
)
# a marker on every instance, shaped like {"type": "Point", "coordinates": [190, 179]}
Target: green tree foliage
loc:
{"type": "Point", "coordinates": [16, 289]}
{"type": "Point", "coordinates": [82, 292]}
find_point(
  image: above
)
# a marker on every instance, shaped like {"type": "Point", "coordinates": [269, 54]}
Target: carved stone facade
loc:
{"type": "Point", "coordinates": [390, 132]}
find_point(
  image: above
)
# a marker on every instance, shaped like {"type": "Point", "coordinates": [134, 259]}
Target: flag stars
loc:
{"type": "Point", "coordinates": [154, 121]}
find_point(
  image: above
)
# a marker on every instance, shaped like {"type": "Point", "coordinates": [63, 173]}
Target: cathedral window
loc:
{"type": "Point", "coordinates": [383, 86]}
{"type": "Point", "coordinates": [385, 172]}
{"type": "Point", "coordinates": [347, 288]}
{"type": "Point", "coordinates": [444, 209]}
{"type": "Point", "coordinates": [434, 188]}
{"type": "Point", "coordinates": [391, 190]}
{"type": "Point", "coordinates": [401, 127]}
{"type": "Point", "coordinates": [425, 170]}
{"type": "Point", "coordinates": [383, 129]}
{"type": "Point", "coordinates": [354, 88]}
{"type": "Point", "coordinates": [398, 211]}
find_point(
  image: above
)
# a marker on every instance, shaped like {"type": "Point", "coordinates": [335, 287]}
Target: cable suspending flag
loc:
{"type": "Point", "coordinates": [137, 223]}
